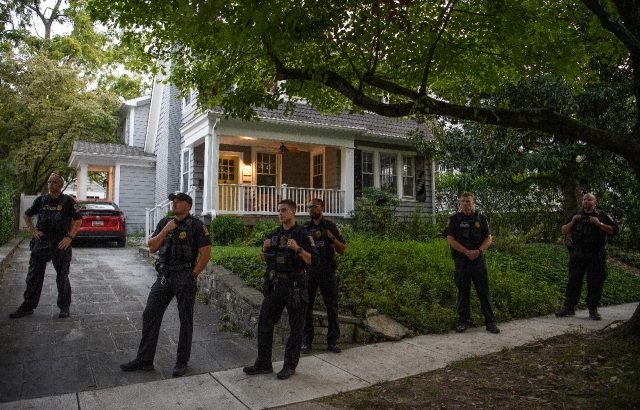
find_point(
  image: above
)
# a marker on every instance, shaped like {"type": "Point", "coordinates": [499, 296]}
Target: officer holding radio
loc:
{"type": "Point", "coordinates": [288, 251]}
{"type": "Point", "coordinates": [586, 232]}
{"type": "Point", "coordinates": [184, 249]}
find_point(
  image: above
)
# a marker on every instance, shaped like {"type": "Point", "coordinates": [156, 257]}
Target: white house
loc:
{"type": "Point", "coordinates": [244, 168]}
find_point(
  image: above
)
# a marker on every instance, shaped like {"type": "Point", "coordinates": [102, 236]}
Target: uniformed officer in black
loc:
{"type": "Point", "coordinates": [469, 236]}
{"type": "Point", "coordinates": [184, 249]}
{"type": "Point", "coordinates": [287, 251]}
{"type": "Point", "coordinates": [328, 241]}
{"type": "Point", "coordinates": [587, 231]}
{"type": "Point", "coordinates": [58, 223]}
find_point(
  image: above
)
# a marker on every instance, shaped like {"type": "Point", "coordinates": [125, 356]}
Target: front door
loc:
{"type": "Point", "coordinates": [228, 166]}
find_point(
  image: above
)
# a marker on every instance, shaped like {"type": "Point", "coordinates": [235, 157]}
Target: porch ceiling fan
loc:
{"type": "Point", "coordinates": [283, 148]}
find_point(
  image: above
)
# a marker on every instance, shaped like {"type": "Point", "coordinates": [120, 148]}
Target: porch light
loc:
{"type": "Point", "coordinates": [246, 170]}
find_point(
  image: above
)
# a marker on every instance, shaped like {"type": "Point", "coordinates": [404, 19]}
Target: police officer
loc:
{"type": "Point", "coordinates": [328, 241]}
{"type": "Point", "coordinates": [58, 223]}
{"type": "Point", "coordinates": [287, 250]}
{"type": "Point", "coordinates": [184, 249]}
{"type": "Point", "coordinates": [469, 236]}
{"type": "Point", "coordinates": [587, 231]}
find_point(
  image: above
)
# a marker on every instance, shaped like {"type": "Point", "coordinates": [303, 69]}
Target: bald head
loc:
{"type": "Point", "coordinates": [55, 184]}
{"type": "Point", "coordinates": [589, 202]}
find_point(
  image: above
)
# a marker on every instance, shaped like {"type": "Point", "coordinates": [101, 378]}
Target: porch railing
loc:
{"type": "Point", "coordinates": [155, 214]}
{"type": "Point", "coordinates": [263, 200]}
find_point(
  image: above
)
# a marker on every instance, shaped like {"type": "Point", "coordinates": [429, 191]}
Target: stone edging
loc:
{"type": "Point", "coordinates": [228, 292]}
{"type": "Point", "coordinates": [7, 250]}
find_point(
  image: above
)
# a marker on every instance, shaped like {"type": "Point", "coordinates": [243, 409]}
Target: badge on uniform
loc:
{"type": "Point", "coordinates": [283, 242]}
{"type": "Point", "coordinates": [317, 234]}
{"type": "Point", "coordinates": [182, 235]}
{"type": "Point", "coordinates": [59, 207]}
{"type": "Point", "coordinates": [477, 224]}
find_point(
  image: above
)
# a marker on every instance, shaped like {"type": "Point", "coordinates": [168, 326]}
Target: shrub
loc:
{"type": "Point", "coordinates": [227, 229]}
{"type": "Point", "coordinates": [259, 233]}
{"type": "Point", "coordinates": [375, 211]}
{"type": "Point", "coordinates": [413, 281]}
{"type": "Point", "coordinates": [7, 218]}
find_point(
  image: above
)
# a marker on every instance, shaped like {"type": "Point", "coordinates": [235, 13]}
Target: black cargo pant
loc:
{"type": "Point", "coordinates": [183, 286]}
{"type": "Point", "coordinates": [593, 262]}
{"type": "Point", "coordinates": [476, 271]}
{"type": "Point", "coordinates": [328, 284]}
{"type": "Point", "coordinates": [43, 251]}
{"type": "Point", "coordinates": [292, 295]}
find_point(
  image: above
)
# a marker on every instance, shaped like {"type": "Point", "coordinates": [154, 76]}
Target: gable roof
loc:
{"type": "Point", "coordinates": [91, 151]}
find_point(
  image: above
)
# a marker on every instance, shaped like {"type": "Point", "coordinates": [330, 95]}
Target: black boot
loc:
{"type": "Point", "coordinates": [566, 311]}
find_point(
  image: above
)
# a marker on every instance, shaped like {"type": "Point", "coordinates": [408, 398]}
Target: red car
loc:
{"type": "Point", "coordinates": [102, 221]}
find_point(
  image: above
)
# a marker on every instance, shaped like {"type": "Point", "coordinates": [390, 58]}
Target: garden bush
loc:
{"type": "Point", "coordinates": [259, 233]}
{"type": "Point", "coordinates": [227, 229]}
{"type": "Point", "coordinates": [7, 218]}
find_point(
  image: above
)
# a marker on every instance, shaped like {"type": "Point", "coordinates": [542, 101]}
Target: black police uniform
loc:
{"type": "Point", "coordinates": [323, 276]}
{"type": "Point", "coordinates": [176, 259]}
{"type": "Point", "coordinates": [54, 220]}
{"type": "Point", "coordinates": [587, 253]}
{"type": "Point", "coordinates": [285, 285]}
{"type": "Point", "coordinates": [470, 231]}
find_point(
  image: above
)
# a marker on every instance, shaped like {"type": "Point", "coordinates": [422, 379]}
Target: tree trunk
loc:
{"type": "Point", "coordinates": [630, 328]}
{"type": "Point", "coordinates": [570, 188]}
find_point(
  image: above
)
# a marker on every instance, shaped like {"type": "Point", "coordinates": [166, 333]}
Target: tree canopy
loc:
{"type": "Point", "coordinates": [394, 57]}
{"type": "Point", "coordinates": [57, 85]}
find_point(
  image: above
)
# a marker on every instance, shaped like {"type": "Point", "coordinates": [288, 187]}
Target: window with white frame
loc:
{"type": "Point", "coordinates": [408, 176]}
{"type": "Point", "coordinates": [265, 169]}
{"type": "Point", "coordinates": [185, 171]}
{"type": "Point", "coordinates": [318, 167]}
{"type": "Point", "coordinates": [388, 172]}
{"type": "Point", "coordinates": [367, 170]}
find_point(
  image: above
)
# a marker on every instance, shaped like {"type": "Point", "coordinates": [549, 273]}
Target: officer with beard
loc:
{"type": "Point", "coordinates": [587, 231]}
{"type": "Point", "coordinates": [58, 223]}
{"type": "Point", "coordinates": [328, 241]}
{"type": "Point", "coordinates": [288, 251]}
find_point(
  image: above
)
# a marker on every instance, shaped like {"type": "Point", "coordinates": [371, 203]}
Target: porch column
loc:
{"type": "Point", "coordinates": [211, 155]}
{"type": "Point", "coordinates": [116, 185]}
{"type": "Point", "coordinates": [347, 178]}
{"type": "Point", "coordinates": [81, 181]}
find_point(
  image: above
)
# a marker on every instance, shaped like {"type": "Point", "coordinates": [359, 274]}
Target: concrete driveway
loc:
{"type": "Point", "coordinates": [42, 355]}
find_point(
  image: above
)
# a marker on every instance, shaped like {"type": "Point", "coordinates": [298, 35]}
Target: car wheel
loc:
{"type": "Point", "coordinates": [122, 243]}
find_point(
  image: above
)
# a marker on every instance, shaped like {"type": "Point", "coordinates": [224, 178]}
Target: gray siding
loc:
{"type": "Point", "coordinates": [136, 194]}
{"type": "Point", "coordinates": [141, 119]}
{"type": "Point", "coordinates": [167, 147]}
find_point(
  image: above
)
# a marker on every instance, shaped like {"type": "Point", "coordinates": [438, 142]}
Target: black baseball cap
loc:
{"type": "Point", "coordinates": [181, 196]}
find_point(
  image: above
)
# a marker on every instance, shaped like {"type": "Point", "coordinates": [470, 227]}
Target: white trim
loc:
{"type": "Point", "coordinates": [347, 178]}
{"type": "Point", "coordinates": [116, 185]}
{"type": "Point", "coordinates": [155, 109]}
{"type": "Point", "coordinates": [182, 171]}
{"type": "Point", "coordinates": [83, 180]}
{"type": "Point", "coordinates": [132, 121]}
{"type": "Point", "coordinates": [210, 190]}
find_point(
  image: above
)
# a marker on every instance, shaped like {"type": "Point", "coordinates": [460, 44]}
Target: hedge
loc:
{"type": "Point", "coordinates": [7, 219]}
{"type": "Point", "coordinates": [413, 281]}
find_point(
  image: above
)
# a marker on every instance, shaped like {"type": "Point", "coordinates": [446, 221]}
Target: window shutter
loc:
{"type": "Point", "coordinates": [421, 182]}
{"type": "Point", "coordinates": [357, 170]}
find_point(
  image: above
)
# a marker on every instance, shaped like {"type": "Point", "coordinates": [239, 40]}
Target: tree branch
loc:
{"type": "Point", "coordinates": [614, 25]}
{"type": "Point", "coordinates": [446, 15]}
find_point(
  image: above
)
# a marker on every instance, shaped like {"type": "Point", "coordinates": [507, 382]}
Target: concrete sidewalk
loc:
{"type": "Point", "coordinates": [324, 374]}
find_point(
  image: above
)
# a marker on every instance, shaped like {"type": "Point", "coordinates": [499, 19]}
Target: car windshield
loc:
{"type": "Point", "coordinates": [93, 205]}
